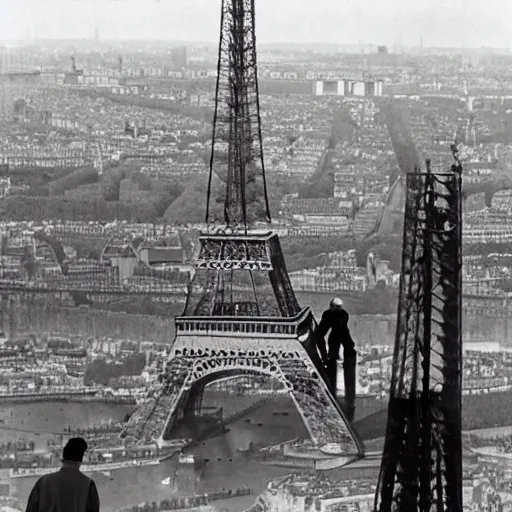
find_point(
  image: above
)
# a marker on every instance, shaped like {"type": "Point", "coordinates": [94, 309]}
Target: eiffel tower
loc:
{"type": "Point", "coordinates": [241, 315]}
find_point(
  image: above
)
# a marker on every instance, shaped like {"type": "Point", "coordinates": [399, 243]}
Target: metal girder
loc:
{"type": "Point", "coordinates": [422, 460]}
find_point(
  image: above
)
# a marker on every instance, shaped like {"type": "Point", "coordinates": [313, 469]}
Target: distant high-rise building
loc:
{"type": "Point", "coordinates": [347, 87]}
{"type": "Point", "coordinates": [383, 50]}
{"type": "Point", "coordinates": [97, 34]}
{"type": "Point", "coordinates": [179, 57]}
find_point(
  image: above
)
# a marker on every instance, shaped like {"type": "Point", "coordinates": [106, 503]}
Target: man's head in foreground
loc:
{"type": "Point", "coordinates": [74, 450]}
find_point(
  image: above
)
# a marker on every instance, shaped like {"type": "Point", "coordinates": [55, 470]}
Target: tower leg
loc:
{"type": "Point", "coordinates": [323, 418]}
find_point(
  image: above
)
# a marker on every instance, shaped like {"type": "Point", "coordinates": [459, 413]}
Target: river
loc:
{"type": "Point", "coordinates": [37, 421]}
{"type": "Point", "coordinates": [225, 467]}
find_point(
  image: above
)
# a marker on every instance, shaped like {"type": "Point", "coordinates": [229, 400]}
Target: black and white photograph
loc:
{"type": "Point", "coordinates": [255, 256]}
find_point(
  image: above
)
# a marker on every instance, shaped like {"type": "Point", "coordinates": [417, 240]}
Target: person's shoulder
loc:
{"type": "Point", "coordinates": [85, 477]}
{"type": "Point", "coordinates": [82, 478]}
{"type": "Point", "coordinates": [41, 480]}
{"type": "Point", "coordinates": [92, 485]}
{"type": "Point", "coordinates": [47, 477]}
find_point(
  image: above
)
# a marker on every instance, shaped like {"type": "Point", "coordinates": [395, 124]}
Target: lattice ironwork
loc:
{"type": "Point", "coordinates": [188, 374]}
{"type": "Point", "coordinates": [237, 149]}
{"type": "Point", "coordinates": [241, 275]}
{"type": "Point", "coordinates": [422, 459]}
{"type": "Point", "coordinates": [234, 253]}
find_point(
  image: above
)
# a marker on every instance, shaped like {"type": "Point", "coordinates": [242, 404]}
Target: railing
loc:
{"type": "Point", "coordinates": [234, 326]}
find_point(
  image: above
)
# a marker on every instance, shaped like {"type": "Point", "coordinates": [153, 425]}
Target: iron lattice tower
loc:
{"type": "Point", "coordinates": [421, 467]}
{"type": "Point", "coordinates": [237, 148]}
{"type": "Point", "coordinates": [229, 277]}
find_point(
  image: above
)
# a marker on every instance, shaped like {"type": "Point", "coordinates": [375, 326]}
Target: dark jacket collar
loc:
{"type": "Point", "coordinates": [70, 464]}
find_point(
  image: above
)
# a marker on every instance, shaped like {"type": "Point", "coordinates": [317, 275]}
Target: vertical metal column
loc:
{"type": "Point", "coordinates": [421, 467]}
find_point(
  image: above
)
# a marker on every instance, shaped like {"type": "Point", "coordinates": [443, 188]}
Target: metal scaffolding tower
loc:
{"type": "Point", "coordinates": [422, 460]}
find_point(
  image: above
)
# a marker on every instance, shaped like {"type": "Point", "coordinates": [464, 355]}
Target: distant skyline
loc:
{"type": "Point", "coordinates": [441, 23]}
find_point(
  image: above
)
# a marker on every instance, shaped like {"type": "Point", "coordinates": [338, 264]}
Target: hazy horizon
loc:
{"type": "Point", "coordinates": [25, 42]}
{"type": "Point", "coordinates": [439, 23]}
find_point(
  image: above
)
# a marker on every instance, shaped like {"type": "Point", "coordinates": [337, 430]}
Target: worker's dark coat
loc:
{"type": "Point", "coordinates": [67, 490]}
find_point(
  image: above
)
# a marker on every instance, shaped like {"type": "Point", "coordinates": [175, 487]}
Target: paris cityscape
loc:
{"type": "Point", "coordinates": [176, 218]}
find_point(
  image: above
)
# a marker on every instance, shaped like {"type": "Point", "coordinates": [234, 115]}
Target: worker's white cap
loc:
{"type": "Point", "coordinates": [336, 303]}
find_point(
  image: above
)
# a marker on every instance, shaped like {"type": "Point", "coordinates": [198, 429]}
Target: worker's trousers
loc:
{"type": "Point", "coordinates": [349, 376]}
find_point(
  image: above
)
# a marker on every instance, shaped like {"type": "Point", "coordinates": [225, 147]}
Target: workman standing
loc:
{"type": "Point", "coordinates": [335, 320]}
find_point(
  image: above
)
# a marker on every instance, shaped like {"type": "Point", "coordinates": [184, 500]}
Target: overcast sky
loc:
{"type": "Point", "coordinates": [455, 23]}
